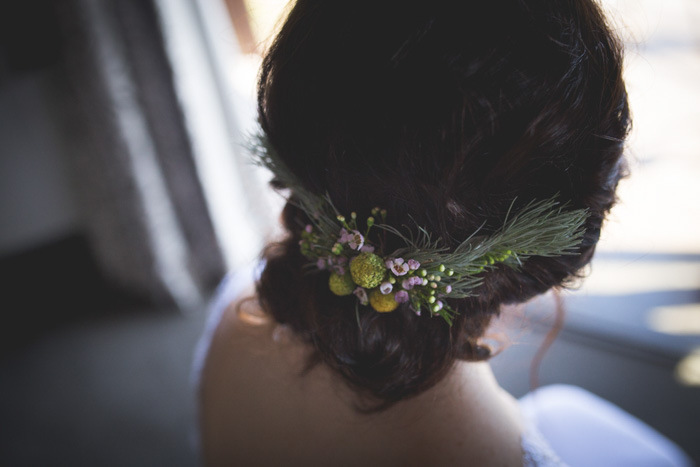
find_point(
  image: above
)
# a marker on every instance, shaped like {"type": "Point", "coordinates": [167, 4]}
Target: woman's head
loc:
{"type": "Point", "coordinates": [444, 112]}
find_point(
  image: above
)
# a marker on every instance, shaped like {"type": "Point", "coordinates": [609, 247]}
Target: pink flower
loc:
{"type": "Point", "coordinates": [413, 264]}
{"type": "Point", "coordinates": [401, 296]}
{"type": "Point", "coordinates": [448, 289]}
{"type": "Point", "coordinates": [407, 284]}
{"type": "Point", "coordinates": [386, 287]}
{"type": "Point", "coordinates": [308, 228]}
{"type": "Point", "coordinates": [345, 236]}
{"type": "Point", "coordinates": [411, 282]}
{"type": "Point", "coordinates": [356, 240]}
{"type": "Point", "coordinates": [337, 264]}
{"type": "Point", "coordinates": [367, 249]}
{"type": "Point", "coordinates": [361, 294]}
{"type": "Point", "coordinates": [398, 267]}
{"type": "Point", "coordinates": [321, 263]}
{"type": "Point", "coordinates": [438, 306]}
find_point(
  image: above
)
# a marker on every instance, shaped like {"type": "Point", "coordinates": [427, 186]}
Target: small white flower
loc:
{"type": "Point", "coordinates": [386, 287]}
{"type": "Point", "coordinates": [398, 267]}
{"type": "Point", "coordinates": [357, 241]}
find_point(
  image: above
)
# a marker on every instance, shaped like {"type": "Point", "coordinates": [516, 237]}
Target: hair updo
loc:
{"type": "Point", "coordinates": [443, 111]}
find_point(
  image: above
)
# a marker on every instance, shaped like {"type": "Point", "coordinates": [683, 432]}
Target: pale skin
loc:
{"type": "Point", "coordinates": [258, 408]}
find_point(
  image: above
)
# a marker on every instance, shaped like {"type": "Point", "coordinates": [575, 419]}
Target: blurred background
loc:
{"type": "Point", "coordinates": [125, 196]}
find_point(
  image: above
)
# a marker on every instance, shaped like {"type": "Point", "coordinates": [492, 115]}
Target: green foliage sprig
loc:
{"type": "Point", "coordinates": [423, 273]}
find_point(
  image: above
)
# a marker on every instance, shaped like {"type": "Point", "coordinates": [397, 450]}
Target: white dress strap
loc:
{"type": "Point", "coordinates": [585, 430]}
{"type": "Point", "coordinates": [231, 287]}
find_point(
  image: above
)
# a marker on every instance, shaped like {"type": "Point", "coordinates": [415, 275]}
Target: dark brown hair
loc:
{"type": "Point", "coordinates": [444, 111]}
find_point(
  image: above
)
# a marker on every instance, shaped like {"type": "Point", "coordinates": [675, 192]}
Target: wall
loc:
{"type": "Point", "coordinates": [36, 201]}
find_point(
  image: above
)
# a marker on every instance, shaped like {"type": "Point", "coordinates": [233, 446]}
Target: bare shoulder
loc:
{"type": "Point", "coordinates": [248, 383]}
{"type": "Point", "coordinates": [243, 358]}
{"type": "Point", "coordinates": [259, 407]}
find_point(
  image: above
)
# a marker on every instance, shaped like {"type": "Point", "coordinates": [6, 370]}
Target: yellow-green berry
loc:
{"type": "Point", "coordinates": [442, 268]}
{"type": "Point", "coordinates": [341, 285]}
{"type": "Point", "coordinates": [382, 303]}
{"type": "Point", "coordinates": [367, 270]}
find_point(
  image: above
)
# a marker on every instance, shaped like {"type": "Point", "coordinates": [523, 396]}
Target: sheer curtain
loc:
{"type": "Point", "coordinates": [166, 200]}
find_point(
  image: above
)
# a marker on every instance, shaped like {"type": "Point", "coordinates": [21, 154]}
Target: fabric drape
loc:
{"type": "Point", "coordinates": [145, 211]}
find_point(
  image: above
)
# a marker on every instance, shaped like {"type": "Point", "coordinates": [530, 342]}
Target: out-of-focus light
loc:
{"type": "Point", "coordinates": [678, 319]}
{"type": "Point", "coordinates": [250, 313]}
{"type": "Point", "coordinates": [618, 277]}
{"type": "Point", "coordinates": [688, 369]}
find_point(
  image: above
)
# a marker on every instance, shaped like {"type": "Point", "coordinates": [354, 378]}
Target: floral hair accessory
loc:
{"type": "Point", "coordinates": [423, 274]}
